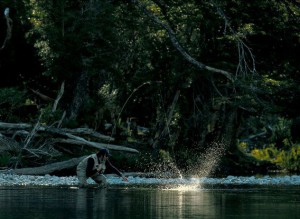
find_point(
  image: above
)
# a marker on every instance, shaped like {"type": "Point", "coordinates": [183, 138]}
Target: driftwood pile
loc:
{"type": "Point", "coordinates": [45, 143]}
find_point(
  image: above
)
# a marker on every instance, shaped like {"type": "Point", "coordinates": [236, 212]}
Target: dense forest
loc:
{"type": "Point", "coordinates": [208, 87]}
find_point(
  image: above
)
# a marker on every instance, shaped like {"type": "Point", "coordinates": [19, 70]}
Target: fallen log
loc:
{"type": "Point", "coordinates": [49, 168]}
{"type": "Point", "coordinates": [34, 137]}
{"type": "Point", "coordinates": [79, 131]}
{"type": "Point", "coordinates": [80, 141]}
{"type": "Point", "coordinates": [87, 131]}
{"type": "Point", "coordinates": [5, 125]}
{"type": "Point", "coordinates": [73, 139]}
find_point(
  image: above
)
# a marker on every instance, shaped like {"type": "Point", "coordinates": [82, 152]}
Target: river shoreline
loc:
{"type": "Point", "coordinates": [7, 180]}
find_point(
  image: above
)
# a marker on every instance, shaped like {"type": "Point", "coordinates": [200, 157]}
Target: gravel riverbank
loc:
{"type": "Point", "coordinates": [7, 179]}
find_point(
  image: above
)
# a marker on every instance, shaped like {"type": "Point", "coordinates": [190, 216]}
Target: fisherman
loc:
{"type": "Point", "coordinates": [94, 166]}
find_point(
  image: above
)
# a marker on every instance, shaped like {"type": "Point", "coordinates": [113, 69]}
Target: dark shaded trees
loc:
{"type": "Point", "coordinates": [194, 72]}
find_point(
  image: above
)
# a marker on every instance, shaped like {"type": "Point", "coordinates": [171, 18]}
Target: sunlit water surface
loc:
{"type": "Point", "coordinates": [155, 201]}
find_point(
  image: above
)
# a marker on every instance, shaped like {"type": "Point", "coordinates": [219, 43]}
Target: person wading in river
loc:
{"type": "Point", "coordinates": [94, 166]}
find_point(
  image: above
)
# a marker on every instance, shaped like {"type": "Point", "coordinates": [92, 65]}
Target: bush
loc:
{"type": "Point", "coordinates": [284, 159]}
{"type": "Point", "coordinates": [4, 160]}
{"type": "Point", "coordinates": [11, 99]}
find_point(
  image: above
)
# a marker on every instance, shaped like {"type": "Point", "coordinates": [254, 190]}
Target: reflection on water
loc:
{"type": "Point", "coordinates": [180, 204]}
{"type": "Point", "coordinates": [46, 203]}
{"type": "Point", "coordinates": [89, 203]}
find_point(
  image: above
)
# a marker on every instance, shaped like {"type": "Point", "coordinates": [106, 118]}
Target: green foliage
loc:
{"type": "Point", "coordinates": [288, 159]}
{"type": "Point", "coordinates": [269, 129]}
{"type": "Point", "coordinates": [243, 146]}
{"type": "Point", "coordinates": [12, 96]}
{"type": "Point", "coordinates": [275, 146]}
{"type": "Point", "coordinates": [4, 160]}
{"type": "Point", "coordinates": [49, 117]}
{"type": "Point", "coordinates": [281, 133]}
{"type": "Point", "coordinates": [12, 100]}
{"type": "Point", "coordinates": [130, 162]}
{"type": "Point", "coordinates": [165, 156]}
{"type": "Point", "coordinates": [120, 48]}
{"type": "Point", "coordinates": [108, 95]}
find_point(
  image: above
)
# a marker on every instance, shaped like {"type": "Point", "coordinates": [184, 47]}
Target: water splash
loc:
{"type": "Point", "coordinates": [186, 185]}
{"type": "Point", "coordinates": [166, 169]}
{"type": "Point", "coordinates": [208, 161]}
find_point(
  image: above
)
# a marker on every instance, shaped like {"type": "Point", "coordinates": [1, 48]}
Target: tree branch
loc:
{"type": "Point", "coordinates": [69, 134]}
{"type": "Point", "coordinates": [59, 96]}
{"type": "Point", "coordinates": [42, 96]}
{"type": "Point", "coordinates": [243, 50]}
{"type": "Point", "coordinates": [9, 24]}
{"type": "Point", "coordinates": [177, 45]}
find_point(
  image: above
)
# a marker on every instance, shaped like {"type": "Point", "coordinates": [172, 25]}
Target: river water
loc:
{"type": "Point", "coordinates": [155, 201]}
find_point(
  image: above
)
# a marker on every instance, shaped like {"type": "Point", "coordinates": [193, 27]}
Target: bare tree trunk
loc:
{"type": "Point", "coordinates": [59, 96]}
{"type": "Point", "coordinates": [80, 96]}
{"type": "Point", "coordinates": [9, 24]}
{"type": "Point", "coordinates": [163, 131]}
{"type": "Point", "coordinates": [223, 126]}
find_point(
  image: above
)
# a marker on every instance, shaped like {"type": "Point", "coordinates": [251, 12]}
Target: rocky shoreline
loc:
{"type": "Point", "coordinates": [7, 179]}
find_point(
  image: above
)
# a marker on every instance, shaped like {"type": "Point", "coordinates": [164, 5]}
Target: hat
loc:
{"type": "Point", "coordinates": [103, 151]}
